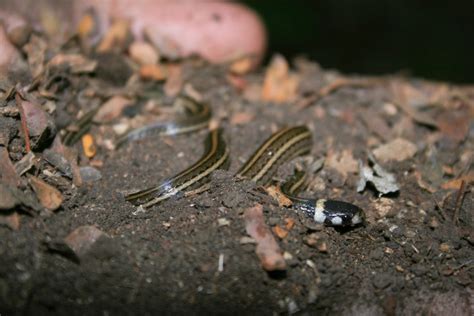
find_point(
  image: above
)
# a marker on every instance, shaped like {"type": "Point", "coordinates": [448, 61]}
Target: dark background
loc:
{"type": "Point", "coordinates": [430, 39]}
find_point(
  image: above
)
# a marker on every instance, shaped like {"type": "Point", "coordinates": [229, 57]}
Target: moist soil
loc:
{"type": "Point", "coordinates": [189, 254]}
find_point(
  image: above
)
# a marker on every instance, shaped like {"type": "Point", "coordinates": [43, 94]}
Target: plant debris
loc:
{"type": "Point", "coordinates": [383, 181]}
{"type": "Point", "coordinates": [267, 248]}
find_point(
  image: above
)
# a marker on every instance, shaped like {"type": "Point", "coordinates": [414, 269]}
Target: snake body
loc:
{"type": "Point", "coordinates": [281, 147]}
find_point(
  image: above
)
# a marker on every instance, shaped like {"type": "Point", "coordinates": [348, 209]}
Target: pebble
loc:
{"type": "Point", "coordinates": [274, 220]}
{"type": "Point", "coordinates": [376, 254]}
{"type": "Point", "coordinates": [82, 239]}
{"type": "Point", "coordinates": [90, 174]}
{"type": "Point", "coordinates": [382, 281]}
{"type": "Point", "coordinates": [223, 222]}
{"type": "Point", "coordinates": [58, 161]}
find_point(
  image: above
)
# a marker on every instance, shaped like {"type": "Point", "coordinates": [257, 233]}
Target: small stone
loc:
{"type": "Point", "coordinates": [41, 126]}
{"type": "Point", "coordinates": [292, 306]}
{"type": "Point", "coordinates": [58, 161]}
{"type": "Point", "coordinates": [322, 247]}
{"type": "Point", "coordinates": [287, 255]}
{"type": "Point", "coordinates": [247, 240]}
{"type": "Point", "coordinates": [433, 222]}
{"type": "Point", "coordinates": [397, 150]}
{"type": "Point", "coordinates": [376, 254]}
{"type": "Point", "coordinates": [223, 222]}
{"type": "Point", "coordinates": [82, 239]}
{"type": "Point", "coordinates": [143, 53]}
{"type": "Point", "coordinates": [382, 281]}
{"type": "Point", "coordinates": [274, 220]}
{"type": "Point", "coordinates": [90, 174]}
{"type": "Point", "coordinates": [112, 109]}
{"type": "Point", "coordinates": [445, 247]}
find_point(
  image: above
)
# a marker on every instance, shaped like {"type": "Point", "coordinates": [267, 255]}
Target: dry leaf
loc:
{"type": "Point", "coordinates": [174, 83]}
{"type": "Point", "coordinates": [88, 145]}
{"type": "Point", "coordinates": [276, 193]}
{"type": "Point", "coordinates": [241, 66]}
{"type": "Point", "coordinates": [279, 85]}
{"type": "Point", "coordinates": [267, 248]}
{"type": "Point", "coordinates": [86, 26]}
{"type": "Point", "coordinates": [143, 53]}
{"type": "Point", "coordinates": [111, 109]}
{"type": "Point", "coordinates": [397, 150]}
{"type": "Point", "coordinates": [454, 124]}
{"type": "Point", "coordinates": [35, 50]}
{"type": "Point", "coordinates": [343, 162]}
{"type": "Point", "coordinates": [422, 183]}
{"type": "Point", "coordinates": [241, 118]}
{"type": "Point", "coordinates": [8, 173]}
{"type": "Point", "coordinates": [289, 223]}
{"type": "Point", "coordinates": [116, 37]}
{"type": "Point", "coordinates": [238, 82]}
{"type": "Point", "coordinates": [383, 181]}
{"type": "Point", "coordinates": [280, 231]}
{"type": "Point", "coordinates": [408, 98]}
{"type": "Point", "coordinates": [48, 195]}
{"type": "Point", "coordinates": [77, 63]}
{"type": "Point", "coordinates": [455, 184]}
{"type": "Point", "coordinates": [153, 72]}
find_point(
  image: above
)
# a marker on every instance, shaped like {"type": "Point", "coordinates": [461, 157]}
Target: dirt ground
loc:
{"type": "Point", "coordinates": [192, 255]}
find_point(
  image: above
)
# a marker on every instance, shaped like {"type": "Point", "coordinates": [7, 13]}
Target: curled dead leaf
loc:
{"type": "Point", "coordinates": [241, 118]}
{"type": "Point", "coordinates": [279, 84]}
{"type": "Point", "coordinates": [455, 184]}
{"type": "Point", "coordinates": [280, 231]}
{"type": "Point", "coordinates": [276, 193]}
{"type": "Point", "coordinates": [267, 248]}
{"type": "Point", "coordinates": [242, 66]}
{"type": "Point", "coordinates": [116, 38]}
{"type": "Point", "coordinates": [49, 196]}
{"type": "Point", "coordinates": [111, 109]}
{"type": "Point", "coordinates": [143, 53]}
{"type": "Point", "coordinates": [174, 82]}
{"type": "Point", "coordinates": [153, 72]}
{"type": "Point", "coordinates": [343, 162]}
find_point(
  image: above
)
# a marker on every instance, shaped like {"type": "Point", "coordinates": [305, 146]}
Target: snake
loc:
{"type": "Point", "coordinates": [281, 147]}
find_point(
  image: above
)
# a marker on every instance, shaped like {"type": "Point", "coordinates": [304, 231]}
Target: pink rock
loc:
{"type": "Point", "coordinates": [82, 239]}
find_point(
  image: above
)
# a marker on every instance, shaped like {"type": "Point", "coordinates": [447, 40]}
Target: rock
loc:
{"type": "Point", "coordinates": [111, 109]}
{"type": "Point", "coordinates": [11, 220]}
{"type": "Point", "coordinates": [41, 126]}
{"type": "Point", "coordinates": [113, 68]}
{"type": "Point", "coordinates": [8, 200]}
{"type": "Point", "coordinates": [90, 174]}
{"type": "Point", "coordinates": [8, 130]}
{"type": "Point", "coordinates": [397, 150]}
{"type": "Point", "coordinates": [8, 175]}
{"type": "Point", "coordinates": [381, 281]}
{"type": "Point", "coordinates": [82, 239]}
{"type": "Point", "coordinates": [58, 161]}
{"type": "Point", "coordinates": [143, 53]}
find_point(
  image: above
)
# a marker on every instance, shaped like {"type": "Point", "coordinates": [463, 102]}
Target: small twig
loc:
{"type": "Point", "coordinates": [441, 210]}
{"type": "Point", "coordinates": [24, 127]}
{"type": "Point", "coordinates": [334, 86]}
{"type": "Point", "coordinates": [459, 200]}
